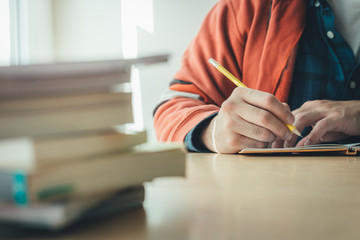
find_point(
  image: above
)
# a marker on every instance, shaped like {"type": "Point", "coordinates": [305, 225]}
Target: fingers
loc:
{"type": "Point", "coordinates": [323, 131]}
{"type": "Point", "coordinates": [303, 118]}
{"type": "Point", "coordinates": [263, 110]}
{"type": "Point", "coordinates": [267, 102]}
{"type": "Point", "coordinates": [331, 120]}
{"type": "Point", "coordinates": [278, 143]}
{"type": "Point", "coordinates": [248, 118]}
{"type": "Point", "coordinates": [333, 137]}
{"type": "Point", "coordinates": [267, 126]}
{"type": "Point", "coordinates": [234, 143]}
{"type": "Point", "coordinates": [226, 140]}
{"type": "Point", "coordinates": [250, 130]}
{"type": "Point", "coordinates": [287, 106]}
{"type": "Point", "coordinates": [302, 142]}
{"type": "Point", "coordinates": [319, 130]}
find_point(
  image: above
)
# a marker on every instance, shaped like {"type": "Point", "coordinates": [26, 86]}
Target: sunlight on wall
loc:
{"type": "Point", "coordinates": [87, 30]}
{"type": "Point", "coordinates": [4, 32]}
{"type": "Point", "coordinates": [134, 17]}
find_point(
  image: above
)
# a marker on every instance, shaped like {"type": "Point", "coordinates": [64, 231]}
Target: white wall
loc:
{"type": "Point", "coordinates": [176, 22]}
{"type": "Point", "coordinates": [87, 29]}
{"type": "Point", "coordinates": [40, 31]}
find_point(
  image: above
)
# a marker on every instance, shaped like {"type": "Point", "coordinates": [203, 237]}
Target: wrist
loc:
{"type": "Point", "coordinates": [208, 135]}
{"type": "Point", "coordinates": [193, 139]}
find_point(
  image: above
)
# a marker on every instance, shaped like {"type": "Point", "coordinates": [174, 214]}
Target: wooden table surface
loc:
{"type": "Point", "coordinates": [240, 197]}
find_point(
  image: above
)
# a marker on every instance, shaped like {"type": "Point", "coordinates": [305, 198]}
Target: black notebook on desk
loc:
{"type": "Point", "coordinates": [318, 149]}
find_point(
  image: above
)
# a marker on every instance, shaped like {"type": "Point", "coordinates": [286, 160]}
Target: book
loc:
{"type": "Point", "coordinates": [92, 176]}
{"type": "Point", "coordinates": [61, 214]}
{"type": "Point", "coordinates": [47, 79]}
{"type": "Point", "coordinates": [318, 149]}
{"type": "Point", "coordinates": [26, 153]}
{"type": "Point", "coordinates": [65, 113]}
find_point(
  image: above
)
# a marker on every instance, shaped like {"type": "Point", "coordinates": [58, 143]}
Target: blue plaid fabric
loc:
{"type": "Point", "coordinates": [325, 68]}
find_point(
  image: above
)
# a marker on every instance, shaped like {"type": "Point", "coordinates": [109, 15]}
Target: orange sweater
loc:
{"type": "Point", "coordinates": [258, 48]}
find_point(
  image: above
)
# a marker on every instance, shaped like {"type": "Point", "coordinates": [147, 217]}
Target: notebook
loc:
{"type": "Point", "coordinates": [318, 149]}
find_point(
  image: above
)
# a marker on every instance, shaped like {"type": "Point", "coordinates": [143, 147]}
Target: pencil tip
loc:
{"type": "Point", "coordinates": [297, 133]}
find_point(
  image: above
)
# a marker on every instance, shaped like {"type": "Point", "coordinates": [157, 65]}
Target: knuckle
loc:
{"type": "Point", "coordinates": [323, 124]}
{"type": "Point", "coordinates": [238, 91]}
{"type": "Point", "coordinates": [228, 106]}
{"type": "Point", "coordinates": [339, 113]}
{"type": "Point", "coordinates": [305, 104]}
{"type": "Point", "coordinates": [264, 117]}
{"type": "Point", "coordinates": [264, 135]}
{"type": "Point", "coordinates": [320, 103]}
{"type": "Point", "coordinates": [269, 100]}
{"type": "Point", "coordinates": [300, 117]}
{"type": "Point", "coordinates": [309, 104]}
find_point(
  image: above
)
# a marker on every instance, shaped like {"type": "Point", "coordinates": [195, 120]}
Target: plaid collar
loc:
{"type": "Point", "coordinates": [312, 2]}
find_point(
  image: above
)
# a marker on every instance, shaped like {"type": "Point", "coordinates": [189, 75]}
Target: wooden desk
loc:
{"type": "Point", "coordinates": [239, 197]}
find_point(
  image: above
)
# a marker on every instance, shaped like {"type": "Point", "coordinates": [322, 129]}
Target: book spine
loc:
{"type": "Point", "coordinates": [14, 187]}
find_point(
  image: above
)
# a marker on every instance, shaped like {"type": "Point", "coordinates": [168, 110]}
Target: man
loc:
{"type": "Point", "coordinates": [286, 52]}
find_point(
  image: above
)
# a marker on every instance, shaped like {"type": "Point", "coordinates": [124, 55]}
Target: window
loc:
{"type": "Point", "coordinates": [5, 48]}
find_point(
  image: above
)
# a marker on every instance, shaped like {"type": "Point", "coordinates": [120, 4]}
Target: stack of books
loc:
{"type": "Point", "coordinates": [64, 151]}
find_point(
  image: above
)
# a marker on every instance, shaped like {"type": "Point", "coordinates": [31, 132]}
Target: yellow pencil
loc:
{"type": "Point", "coordinates": [238, 83]}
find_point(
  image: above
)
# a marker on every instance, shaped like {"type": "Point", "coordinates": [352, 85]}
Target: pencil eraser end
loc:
{"type": "Point", "coordinates": [213, 62]}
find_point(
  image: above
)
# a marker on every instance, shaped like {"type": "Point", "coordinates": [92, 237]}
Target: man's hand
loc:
{"type": "Point", "coordinates": [331, 121]}
{"type": "Point", "coordinates": [248, 118]}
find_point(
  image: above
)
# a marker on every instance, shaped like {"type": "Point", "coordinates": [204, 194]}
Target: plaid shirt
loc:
{"type": "Point", "coordinates": [325, 68]}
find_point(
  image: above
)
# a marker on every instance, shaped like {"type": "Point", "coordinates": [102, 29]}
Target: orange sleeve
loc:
{"type": "Point", "coordinates": [221, 38]}
{"type": "Point", "coordinates": [241, 36]}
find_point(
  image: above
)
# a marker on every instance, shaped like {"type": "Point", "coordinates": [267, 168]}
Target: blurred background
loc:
{"type": "Point", "coordinates": [46, 31]}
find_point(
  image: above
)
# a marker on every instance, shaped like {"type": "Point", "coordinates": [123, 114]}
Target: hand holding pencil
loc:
{"type": "Point", "coordinates": [238, 83]}
{"type": "Point", "coordinates": [248, 118]}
